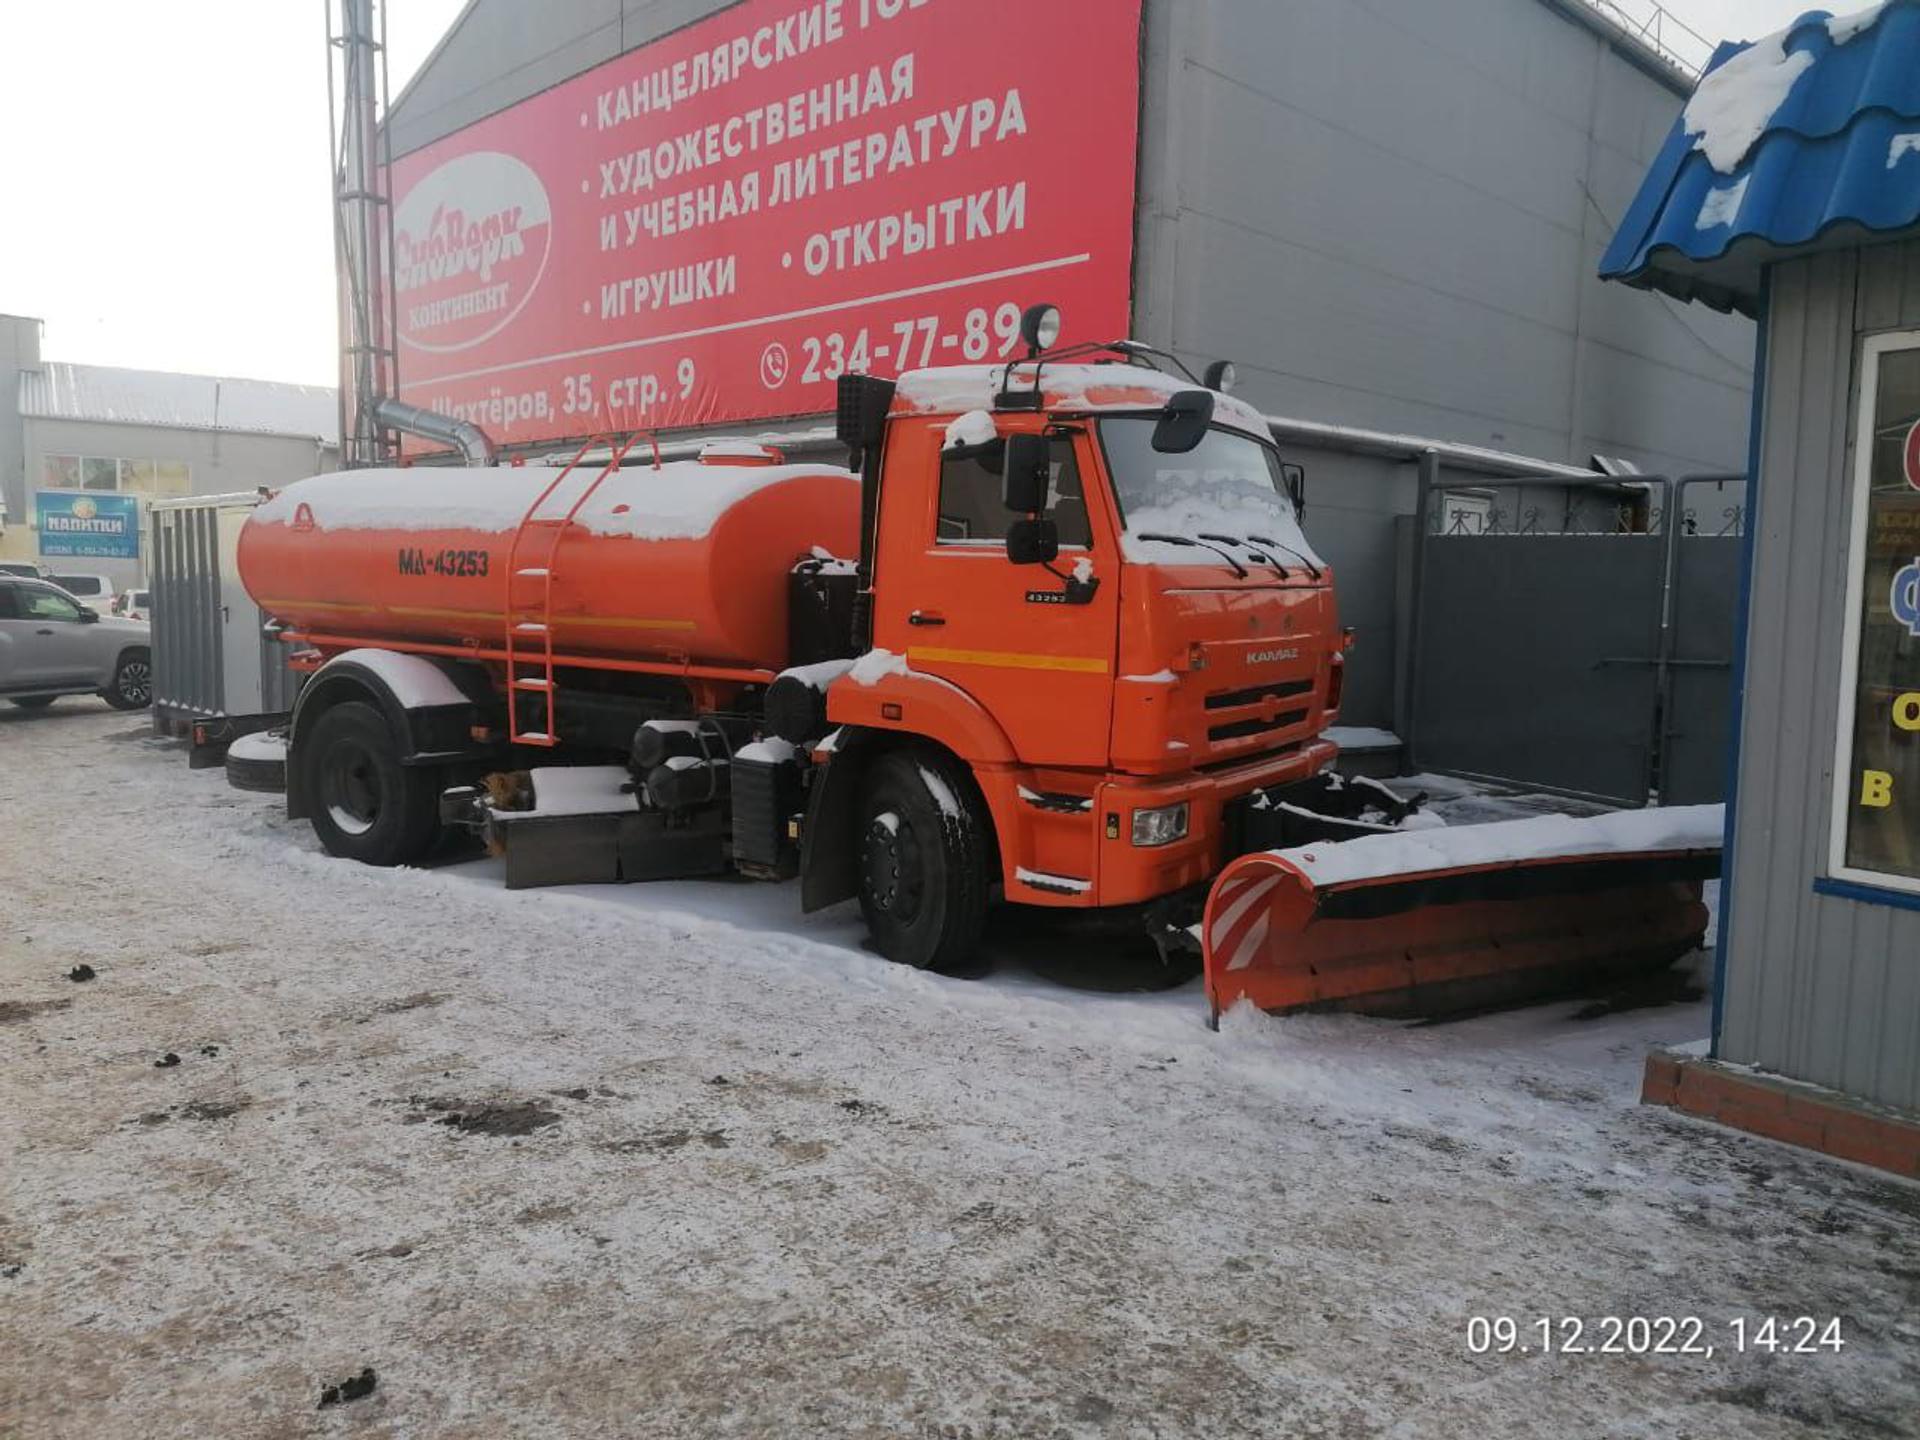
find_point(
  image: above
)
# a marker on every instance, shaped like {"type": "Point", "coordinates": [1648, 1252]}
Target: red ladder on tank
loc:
{"type": "Point", "coordinates": [523, 629]}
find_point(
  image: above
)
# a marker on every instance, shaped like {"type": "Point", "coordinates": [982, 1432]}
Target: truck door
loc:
{"type": "Point", "coordinates": [1034, 650]}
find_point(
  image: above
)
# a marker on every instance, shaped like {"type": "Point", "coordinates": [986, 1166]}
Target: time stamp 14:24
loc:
{"type": "Point", "coordinates": [1652, 1335]}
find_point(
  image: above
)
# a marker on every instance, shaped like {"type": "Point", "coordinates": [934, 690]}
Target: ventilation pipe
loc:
{"type": "Point", "coordinates": [473, 443]}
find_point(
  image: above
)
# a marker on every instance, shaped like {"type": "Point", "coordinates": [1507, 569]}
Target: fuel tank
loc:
{"type": "Point", "coordinates": [686, 561]}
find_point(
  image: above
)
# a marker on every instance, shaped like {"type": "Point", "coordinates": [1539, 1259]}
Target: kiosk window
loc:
{"type": "Point", "coordinates": [1877, 812]}
{"type": "Point", "coordinates": [970, 508]}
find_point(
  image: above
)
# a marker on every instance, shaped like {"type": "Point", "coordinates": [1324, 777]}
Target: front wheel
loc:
{"type": "Point", "coordinates": [132, 685]}
{"type": "Point", "coordinates": [365, 804]}
{"type": "Point", "coordinates": [924, 853]}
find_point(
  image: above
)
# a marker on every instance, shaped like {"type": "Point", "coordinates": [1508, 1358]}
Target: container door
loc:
{"type": "Point", "coordinates": [1034, 647]}
{"type": "Point", "coordinates": [240, 688]}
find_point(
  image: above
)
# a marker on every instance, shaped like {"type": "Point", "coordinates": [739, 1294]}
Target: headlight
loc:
{"type": "Point", "coordinates": [1162, 826]}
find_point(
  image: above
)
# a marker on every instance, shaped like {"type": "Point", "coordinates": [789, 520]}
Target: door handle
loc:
{"type": "Point", "coordinates": [926, 617]}
{"type": "Point", "coordinates": [46, 631]}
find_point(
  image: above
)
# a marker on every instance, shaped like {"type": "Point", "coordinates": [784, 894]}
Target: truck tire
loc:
{"type": "Point", "coordinates": [923, 853]}
{"type": "Point", "coordinates": [366, 805]}
{"type": "Point", "coordinates": [132, 685]}
{"type": "Point", "coordinates": [265, 776]}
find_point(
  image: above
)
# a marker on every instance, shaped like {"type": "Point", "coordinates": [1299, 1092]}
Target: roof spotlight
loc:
{"type": "Point", "coordinates": [1221, 376]}
{"type": "Point", "coordinates": [1040, 327]}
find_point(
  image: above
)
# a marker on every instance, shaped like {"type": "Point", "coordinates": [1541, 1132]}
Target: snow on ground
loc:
{"type": "Point", "coordinates": [673, 1160]}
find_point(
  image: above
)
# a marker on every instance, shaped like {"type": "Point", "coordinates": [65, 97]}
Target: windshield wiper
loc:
{"type": "Point", "coordinates": [1251, 549]}
{"type": "Point", "coordinates": [1312, 569]}
{"type": "Point", "coordinates": [1239, 570]}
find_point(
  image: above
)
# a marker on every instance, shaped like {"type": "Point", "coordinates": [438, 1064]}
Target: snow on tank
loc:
{"type": "Point", "coordinates": [675, 501]}
{"type": "Point", "coordinates": [1088, 389]}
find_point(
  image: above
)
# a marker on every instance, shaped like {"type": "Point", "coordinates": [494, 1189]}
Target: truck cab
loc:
{"type": "Point", "coordinates": [1091, 580]}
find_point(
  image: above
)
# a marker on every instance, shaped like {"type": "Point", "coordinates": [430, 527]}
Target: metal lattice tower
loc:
{"type": "Point", "coordinates": [362, 223]}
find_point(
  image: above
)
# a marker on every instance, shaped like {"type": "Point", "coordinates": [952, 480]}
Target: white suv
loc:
{"type": "Point", "coordinates": [93, 591]}
{"type": "Point", "coordinates": [52, 645]}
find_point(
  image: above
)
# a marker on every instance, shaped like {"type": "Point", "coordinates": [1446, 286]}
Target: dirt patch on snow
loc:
{"type": "Point", "coordinates": [506, 1117]}
{"type": "Point", "coordinates": [12, 1012]}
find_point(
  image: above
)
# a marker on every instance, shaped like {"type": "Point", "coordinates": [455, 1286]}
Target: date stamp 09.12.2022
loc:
{"type": "Point", "coordinates": [1653, 1335]}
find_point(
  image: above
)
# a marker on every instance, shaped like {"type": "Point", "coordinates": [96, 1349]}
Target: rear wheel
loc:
{"type": "Point", "coordinates": [365, 804]}
{"type": "Point", "coordinates": [132, 685]}
{"type": "Point", "coordinates": [34, 702]}
{"type": "Point", "coordinates": [924, 853]}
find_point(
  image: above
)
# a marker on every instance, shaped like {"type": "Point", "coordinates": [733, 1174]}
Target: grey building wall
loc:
{"type": "Point", "coordinates": [19, 350]}
{"type": "Point", "coordinates": [1393, 214]}
{"type": "Point", "coordinates": [1818, 987]}
{"type": "Point", "coordinates": [222, 461]}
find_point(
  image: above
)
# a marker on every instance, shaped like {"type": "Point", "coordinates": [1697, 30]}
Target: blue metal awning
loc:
{"type": "Point", "coordinates": [1838, 164]}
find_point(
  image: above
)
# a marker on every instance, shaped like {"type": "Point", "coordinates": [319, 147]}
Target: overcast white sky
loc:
{"type": "Point", "coordinates": [166, 178]}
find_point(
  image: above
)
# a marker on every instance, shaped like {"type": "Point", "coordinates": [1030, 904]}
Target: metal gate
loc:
{"type": "Point", "coordinates": [1576, 635]}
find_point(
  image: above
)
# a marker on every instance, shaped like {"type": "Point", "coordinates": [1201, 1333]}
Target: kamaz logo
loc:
{"type": "Point", "coordinates": [1904, 599]}
{"type": "Point", "coordinates": [1271, 657]}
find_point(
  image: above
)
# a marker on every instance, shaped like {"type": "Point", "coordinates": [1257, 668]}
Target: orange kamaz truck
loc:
{"type": "Point", "coordinates": [1055, 638]}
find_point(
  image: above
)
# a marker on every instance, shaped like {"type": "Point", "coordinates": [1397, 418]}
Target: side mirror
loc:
{"type": "Point", "coordinates": [1183, 423]}
{"type": "Point", "coordinates": [89, 616]}
{"type": "Point", "coordinates": [1294, 477]}
{"type": "Point", "coordinates": [1028, 475]}
{"type": "Point", "coordinates": [1033, 542]}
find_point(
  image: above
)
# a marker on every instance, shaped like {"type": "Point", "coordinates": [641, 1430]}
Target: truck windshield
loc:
{"type": "Point", "coordinates": [1226, 492]}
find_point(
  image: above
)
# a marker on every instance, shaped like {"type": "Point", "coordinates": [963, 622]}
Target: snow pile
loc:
{"type": "Point", "coordinates": [1190, 503]}
{"type": "Point", "coordinates": [734, 448]}
{"type": "Point", "coordinates": [1362, 737]}
{"type": "Point", "coordinates": [874, 666]}
{"type": "Point", "coordinates": [818, 676]}
{"type": "Point", "coordinates": [956, 389]}
{"type": "Point", "coordinates": [822, 561]}
{"type": "Point", "coordinates": [1158, 677]}
{"type": "Point", "coordinates": [1509, 842]}
{"type": "Point", "coordinates": [261, 745]}
{"type": "Point", "coordinates": [1722, 205]}
{"type": "Point", "coordinates": [416, 682]}
{"type": "Point", "coordinates": [1842, 28]}
{"type": "Point", "coordinates": [975, 427]}
{"type": "Point", "coordinates": [770, 751]}
{"type": "Point", "coordinates": [560, 790]}
{"type": "Point", "coordinates": [1736, 103]}
{"type": "Point", "coordinates": [680, 500]}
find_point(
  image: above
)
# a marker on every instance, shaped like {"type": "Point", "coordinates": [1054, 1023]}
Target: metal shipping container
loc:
{"type": "Point", "coordinates": [211, 655]}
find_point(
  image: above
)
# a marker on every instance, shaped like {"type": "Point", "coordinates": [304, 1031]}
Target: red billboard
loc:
{"type": "Point", "coordinates": [714, 227]}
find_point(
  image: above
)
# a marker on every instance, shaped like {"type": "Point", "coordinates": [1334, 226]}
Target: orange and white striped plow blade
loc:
{"type": "Point", "coordinates": [1431, 941]}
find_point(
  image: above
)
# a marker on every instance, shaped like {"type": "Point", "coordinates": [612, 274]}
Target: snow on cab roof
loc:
{"type": "Point", "coordinates": [679, 500]}
{"type": "Point", "coordinates": [956, 389]}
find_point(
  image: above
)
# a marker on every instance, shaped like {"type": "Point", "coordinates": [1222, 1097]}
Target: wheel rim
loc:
{"type": "Point", "coordinates": [136, 682]}
{"type": "Point", "coordinates": [350, 786]}
{"type": "Point", "coordinates": [892, 867]}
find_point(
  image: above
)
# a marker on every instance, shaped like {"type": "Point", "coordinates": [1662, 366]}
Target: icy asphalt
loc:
{"type": "Point", "coordinates": [672, 1161]}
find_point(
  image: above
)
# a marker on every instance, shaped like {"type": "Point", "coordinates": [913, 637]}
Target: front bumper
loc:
{"type": "Point", "coordinates": [1221, 806]}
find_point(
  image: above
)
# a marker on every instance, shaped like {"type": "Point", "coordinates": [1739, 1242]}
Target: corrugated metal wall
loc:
{"type": "Point", "coordinates": [1818, 987]}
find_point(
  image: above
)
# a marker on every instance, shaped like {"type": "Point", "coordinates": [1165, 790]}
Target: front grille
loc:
{"type": "Point", "coordinates": [1279, 690]}
{"type": "Point", "coordinates": [1240, 729]}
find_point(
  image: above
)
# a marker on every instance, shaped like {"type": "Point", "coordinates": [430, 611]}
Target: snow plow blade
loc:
{"type": "Point", "coordinates": [1427, 922]}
